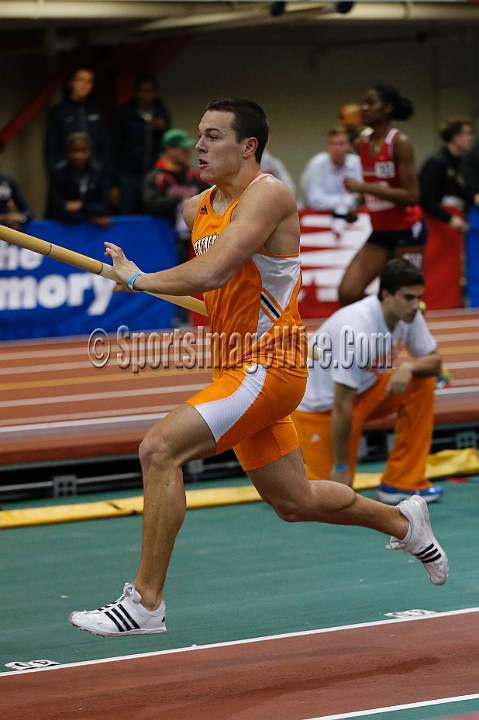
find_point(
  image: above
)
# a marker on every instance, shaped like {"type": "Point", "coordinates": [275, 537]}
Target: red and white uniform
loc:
{"type": "Point", "coordinates": [381, 169]}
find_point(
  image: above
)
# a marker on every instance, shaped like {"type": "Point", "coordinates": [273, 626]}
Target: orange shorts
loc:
{"type": "Point", "coordinates": [248, 408]}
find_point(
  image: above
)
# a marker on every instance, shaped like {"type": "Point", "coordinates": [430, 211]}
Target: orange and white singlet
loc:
{"type": "Point", "coordinates": [255, 315]}
{"type": "Point", "coordinates": [381, 169]}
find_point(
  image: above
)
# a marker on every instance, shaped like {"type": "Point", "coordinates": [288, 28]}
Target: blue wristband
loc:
{"type": "Point", "coordinates": [131, 281]}
{"type": "Point", "coordinates": [340, 468]}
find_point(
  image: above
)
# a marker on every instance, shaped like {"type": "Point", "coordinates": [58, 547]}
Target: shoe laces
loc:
{"type": "Point", "coordinates": [129, 591]}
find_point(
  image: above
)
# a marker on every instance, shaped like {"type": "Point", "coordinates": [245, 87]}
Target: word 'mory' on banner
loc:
{"type": "Point", "coordinates": [42, 297]}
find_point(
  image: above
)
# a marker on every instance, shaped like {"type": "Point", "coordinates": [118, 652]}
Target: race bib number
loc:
{"type": "Point", "coordinates": [385, 169]}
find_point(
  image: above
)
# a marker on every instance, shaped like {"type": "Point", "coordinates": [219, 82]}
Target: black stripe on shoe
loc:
{"type": "Point", "coordinates": [121, 618]}
{"type": "Point", "coordinates": [429, 554]}
{"type": "Point", "coordinates": [433, 559]}
{"type": "Point", "coordinates": [113, 619]}
{"type": "Point", "coordinates": [127, 614]}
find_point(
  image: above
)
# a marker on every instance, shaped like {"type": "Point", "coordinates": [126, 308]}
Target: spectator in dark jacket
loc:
{"type": "Point", "coordinates": [77, 113]}
{"type": "Point", "coordinates": [171, 183]}
{"type": "Point", "coordinates": [137, 134]}
{"type": "Point", "coordinates": [168, 186]}
{"type": "Point", "coordinates": [440, 177]}
{"type": "Point", "coordinates": [14, 211]}
{"type": "Point", "coordinates": [79, 188]}
{"type": "Point", "coordinates": [470, 171]}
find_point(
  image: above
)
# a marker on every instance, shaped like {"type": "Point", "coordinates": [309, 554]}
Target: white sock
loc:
{"type": "Point", "coordinates": [409, 533]}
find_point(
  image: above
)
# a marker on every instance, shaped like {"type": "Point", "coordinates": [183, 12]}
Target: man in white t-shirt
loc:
{"type": "Point", "coordinates": [322, 180]}
{"type": "Point", "coordinates": [357, 379]}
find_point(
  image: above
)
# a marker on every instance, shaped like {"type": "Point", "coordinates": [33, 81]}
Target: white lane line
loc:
{"type": "Point", "coordinates": [104, 395]}
{"type": "Point", "coordinates": [63, 352]}
{"type": "Point", "coordinates": [453, 324]}
{"type": "Point", "coordinates": [113, 362]}
{"type": "Point", "coordinates": [461, 365]}
{"type": "Point", "coordinates": [456, 337]}
{"type": "Point", "coordinates": [465, 381]}
{"type": "Point", "coordinates": [25, 423]}
{"type": "Point", "coordinates": [33, 354]}
{"type": "Point", "coordinates": [153, 363]}
{"type": "Point", "coordinates": [394, 708]}
{"type": "Point", "coordinates": [81, 423]}
{"type": "Point", "coordinates": [458, 390]}
{"type": "Point", "coordinates": [81, 365]}
{"type": "Point", "coordinates": [265, 638]}
{"type": "Point", "coordinates": [97, 414]}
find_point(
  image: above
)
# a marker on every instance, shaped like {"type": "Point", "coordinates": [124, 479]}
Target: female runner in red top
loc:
{"type": "Point", "coordinates": [390, 190]}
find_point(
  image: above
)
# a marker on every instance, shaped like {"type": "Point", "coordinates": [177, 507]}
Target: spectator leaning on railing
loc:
{"type": "Point", "coordinates": [167, 188]}
{"type": "Point", "coordinates": [440, 180]}
{"type": "Point", "coordinates": [14, 210]}
{"type": "Point", "coordinates": [171, 183]}
{"type": "Point", "coordinates": [137, 134]}
{"type": "Point", "coordinates": [79, 188]}
{"type": "Point", "coordinates": [323, 179]}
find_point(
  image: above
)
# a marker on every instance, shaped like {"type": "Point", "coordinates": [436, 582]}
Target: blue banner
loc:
{"type": "Point", "coordinates": [41, 297]}
{"type": "Point", "coordinates": [472, 254]}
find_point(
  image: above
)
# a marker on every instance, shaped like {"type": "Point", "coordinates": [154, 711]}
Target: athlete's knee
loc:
{"type": "Point", "coordinates": [288, 513]}
{"type": "Point", "coordinates": [154, 450]}
{"type": "Point", "coordinates": [291, 511]}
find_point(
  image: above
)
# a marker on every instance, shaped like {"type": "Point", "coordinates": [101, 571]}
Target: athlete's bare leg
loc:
{"type": "Point", "coordinates": [413, 253]}
{"type": "Point", "coordinates": [362, 270]}
{"type": "Point", "coordinates": [284, 486]}
{"type": "Point", "coordinates": [182, 436]}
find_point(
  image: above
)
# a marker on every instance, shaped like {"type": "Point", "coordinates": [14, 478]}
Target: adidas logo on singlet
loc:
{"type": "Point", "coordinates": [204, 210]}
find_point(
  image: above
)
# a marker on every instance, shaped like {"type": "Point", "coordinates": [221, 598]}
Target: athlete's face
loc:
{"type": "Point", "coordinates": [404, 304]}
{"type": "Point", "coordinates": [220, 154]}
{"type": "Point", "coordinates": [374, 110]}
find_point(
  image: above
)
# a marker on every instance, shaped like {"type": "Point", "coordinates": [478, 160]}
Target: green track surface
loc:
{"type": "Point", "coordinates": [237, 572]}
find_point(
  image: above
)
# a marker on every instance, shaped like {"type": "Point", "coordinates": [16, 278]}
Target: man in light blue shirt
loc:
{"type": "Point", "coordinates": [322, 180]}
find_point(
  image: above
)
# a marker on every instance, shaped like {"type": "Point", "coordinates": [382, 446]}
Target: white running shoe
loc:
{"type": "Point", "coordinates": [421, 541]}
{"type": "Point", "coordinates": [126, 616]}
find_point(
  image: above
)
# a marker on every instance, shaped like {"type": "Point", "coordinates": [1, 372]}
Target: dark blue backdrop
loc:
{"type": "Point", "coordinates": [41, 297]}
{"type": "Point", "coordinates": [472, 255]}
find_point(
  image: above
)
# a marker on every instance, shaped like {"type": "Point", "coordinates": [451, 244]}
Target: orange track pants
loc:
{"type": "Point", "coordinates": [414, 424]}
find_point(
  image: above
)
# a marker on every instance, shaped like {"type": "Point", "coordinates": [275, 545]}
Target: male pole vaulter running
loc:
{"type": "Point", "coordinates": [245, 233]}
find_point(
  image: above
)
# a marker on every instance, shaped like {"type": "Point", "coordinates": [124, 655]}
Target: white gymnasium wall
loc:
{"type": "Point", "coordinates": [300, 76]}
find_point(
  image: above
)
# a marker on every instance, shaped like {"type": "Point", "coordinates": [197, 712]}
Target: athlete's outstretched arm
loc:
{"type": "Point", "coordinates": [266, 207]}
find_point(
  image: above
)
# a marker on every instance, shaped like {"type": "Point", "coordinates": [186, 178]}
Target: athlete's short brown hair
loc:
{"type": "Point", "coordinates": [249, 120]}
{"type": "Point", "coordinates": [399, 273]}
